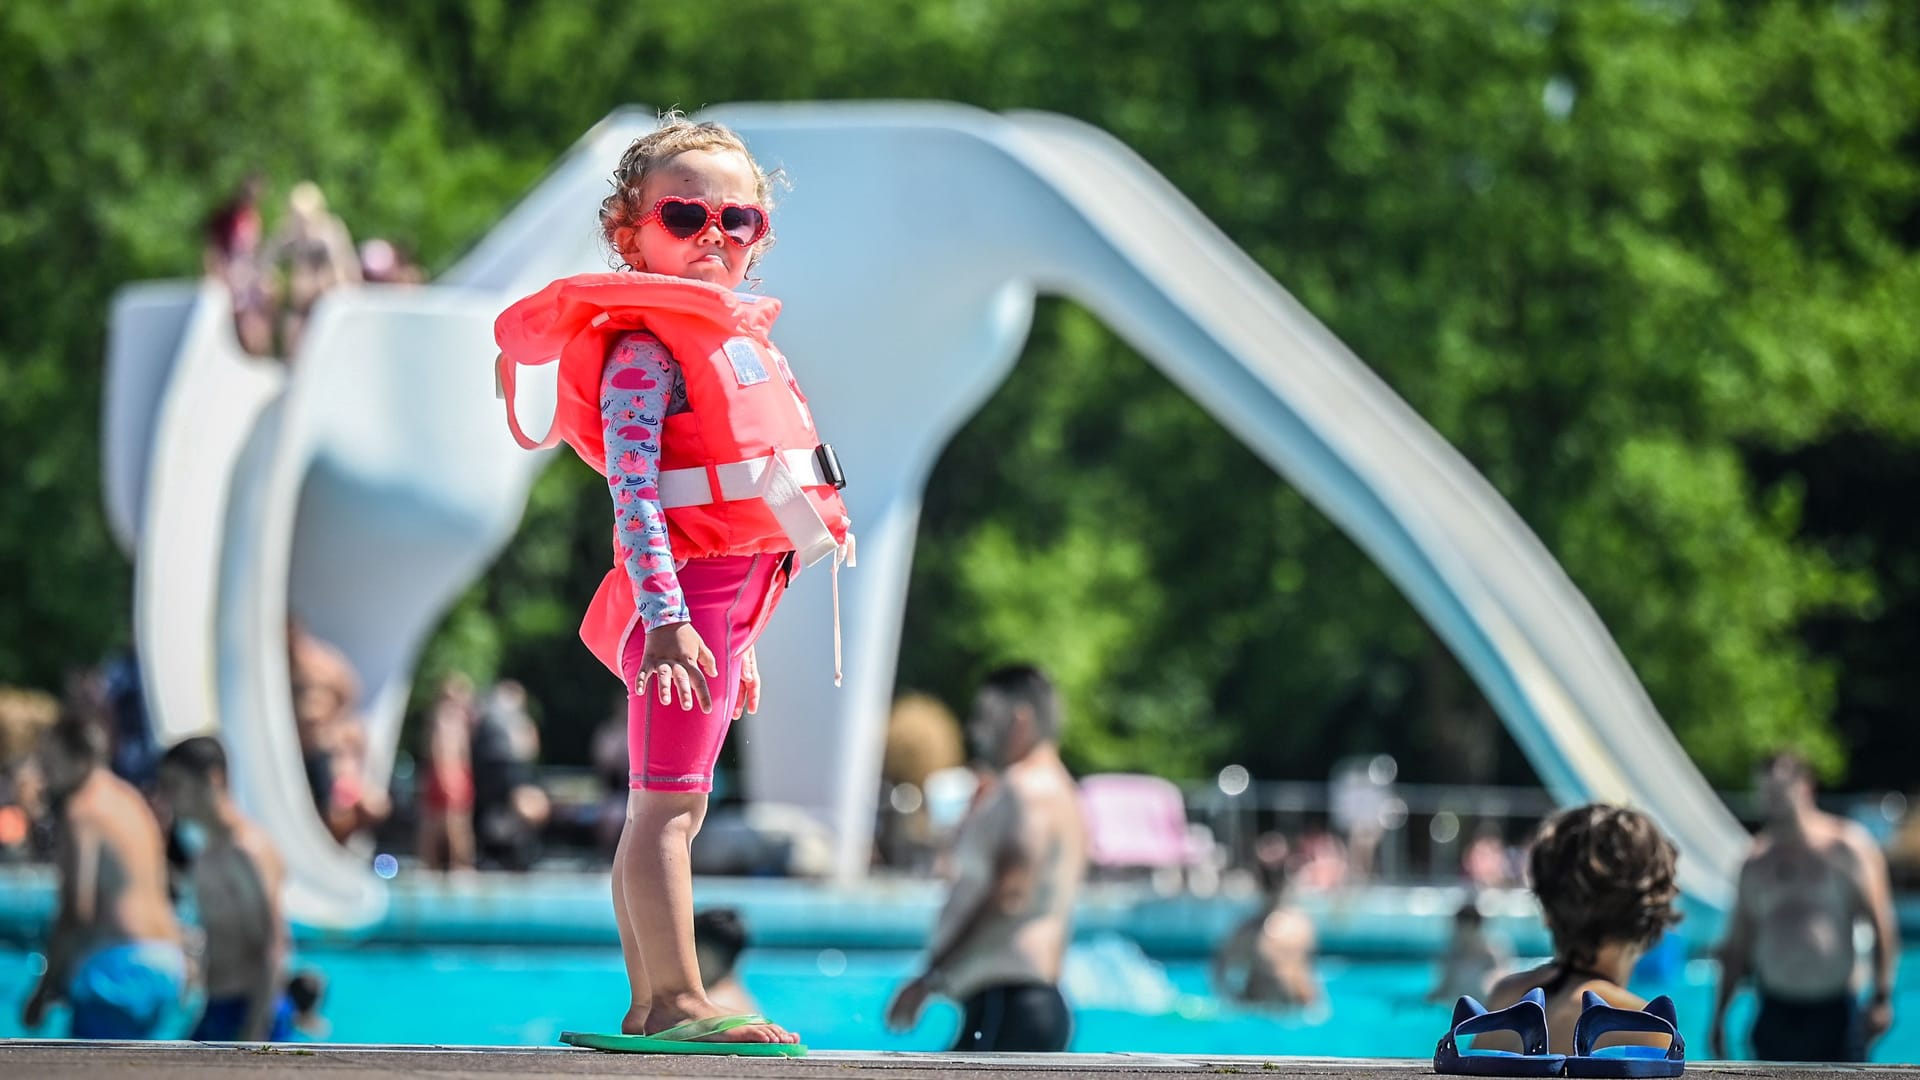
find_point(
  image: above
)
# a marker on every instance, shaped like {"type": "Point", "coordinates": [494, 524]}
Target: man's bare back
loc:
{"type": "Point", "coordinates": [109, 828]}
{"type": "Point", "coordinates": [235, 883]}
{"type": "Point", "coordinates": [1565, 992]}
{"type": "Point", "coordinates": [114, 949]}
{"type": "Point", "coordinates": [236, 880]}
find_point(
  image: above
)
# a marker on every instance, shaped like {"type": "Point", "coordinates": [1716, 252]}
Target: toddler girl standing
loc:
{"type": "Point", "coordinates": [721, 489]}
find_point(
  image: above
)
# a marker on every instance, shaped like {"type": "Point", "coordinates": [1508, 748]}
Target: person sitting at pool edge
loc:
{"type": "Point", "coordinates": [1604, 876]}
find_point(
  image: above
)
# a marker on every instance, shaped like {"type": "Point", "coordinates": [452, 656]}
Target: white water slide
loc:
{"type": "Point", "coordinates": [381, 479]}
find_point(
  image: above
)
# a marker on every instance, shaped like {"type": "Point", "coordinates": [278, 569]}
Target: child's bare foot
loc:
{"type": "Point", "coordinates": [672, 1012]}
{"type": "Point", "coordinates": [635, 1022]}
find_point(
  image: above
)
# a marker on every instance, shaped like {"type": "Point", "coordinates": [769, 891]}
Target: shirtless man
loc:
{"type": "Point", "coordinates": [114, 950]}
{"type": "Point", "coordinates": [1809, 878]}
{"type": "Point", "coordinates": [1020, 857]}
{"type": "Point", "coordinates": [235, 880]}
{"type": "Point", "coordinates": [1271, 952]}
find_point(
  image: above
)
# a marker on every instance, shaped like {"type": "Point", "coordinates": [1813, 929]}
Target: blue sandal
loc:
{"type": "Point", "coordinates": [1526, 1018]}
{"type": "Point", "coordinates": [1598, 1018]}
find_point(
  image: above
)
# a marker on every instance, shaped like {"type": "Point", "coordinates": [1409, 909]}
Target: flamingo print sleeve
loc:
{"type": "Point", "coordinates": [641, 386]}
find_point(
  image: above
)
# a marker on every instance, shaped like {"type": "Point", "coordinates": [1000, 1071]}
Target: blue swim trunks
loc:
{"type": "Point", "coordinates": [224, 1017]}
{"type": "Point", "coordinates": [127, 991]}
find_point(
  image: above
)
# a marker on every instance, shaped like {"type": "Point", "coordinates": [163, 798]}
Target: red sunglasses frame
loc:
{"type": "Point", "coordinates": [713, 218]}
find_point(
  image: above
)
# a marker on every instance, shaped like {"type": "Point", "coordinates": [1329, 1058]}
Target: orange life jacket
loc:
{"type": "Point", "coordinates": [741, 471]}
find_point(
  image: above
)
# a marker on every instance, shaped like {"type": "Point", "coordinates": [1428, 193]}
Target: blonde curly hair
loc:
{"type": "Point", "coordinates": [621, 211]}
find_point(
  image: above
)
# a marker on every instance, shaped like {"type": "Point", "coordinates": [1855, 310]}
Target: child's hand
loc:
{"type": "Point", "coordinates": [749, 685]}
{"type": "Point", "coordinates": [675, 658]}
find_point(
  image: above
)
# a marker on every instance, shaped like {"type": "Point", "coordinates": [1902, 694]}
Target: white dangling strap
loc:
{"type": "Point", "coordinates": [843, 553]}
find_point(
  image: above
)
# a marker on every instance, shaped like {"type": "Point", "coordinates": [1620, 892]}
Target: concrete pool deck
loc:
{"type": "Point", "coordinates": [29, 1059]}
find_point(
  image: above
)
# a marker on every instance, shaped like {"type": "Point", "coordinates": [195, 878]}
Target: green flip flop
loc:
{"type": "Point", "coordinates": [683, 1039]}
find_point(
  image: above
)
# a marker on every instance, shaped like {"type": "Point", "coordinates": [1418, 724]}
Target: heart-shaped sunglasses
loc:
{"type": "Point", "coordinates": [742, 223]}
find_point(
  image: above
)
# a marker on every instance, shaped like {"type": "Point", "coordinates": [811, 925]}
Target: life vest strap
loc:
{"type": "Point", "coordinates": [778, 480]}
{"type": "Point", "coordinates": [503, 387]}
{"type": "Point", "coordinates": [842, 554]}
{"type": "Point", "coordinates": [738, 479]}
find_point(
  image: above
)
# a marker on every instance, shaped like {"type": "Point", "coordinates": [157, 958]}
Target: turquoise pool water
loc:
{"type": "Point", "coordinates": [1122, 1001]}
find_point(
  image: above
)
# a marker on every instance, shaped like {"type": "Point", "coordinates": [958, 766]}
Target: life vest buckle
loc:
{"type": "Point", "coordinates": [829, 466]}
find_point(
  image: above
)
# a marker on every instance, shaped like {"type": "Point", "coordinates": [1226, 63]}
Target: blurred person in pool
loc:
{"type": "Point", "coordinates": [1808, 880]}
{"type": "Point", "coordinates": [114, 952]}
{"type": "Point", "coordinates": [719, 937]}
{"type": "Point", "coordinates": [235, 877]}
{"type": "Point", "coordinates": [1472, 959]}
{"type": "Point", "coordinates": [1268, 959]}
{"type": "Point", "coordinates": [1020, 858]}
{"type": "Point", "coordinates": [300, 1008]}
{"type": "Point", "coordinates": [1604, 876]}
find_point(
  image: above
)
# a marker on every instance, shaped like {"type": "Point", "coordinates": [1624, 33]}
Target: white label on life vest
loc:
{"type": "Point", "coordinates": [747, 368]}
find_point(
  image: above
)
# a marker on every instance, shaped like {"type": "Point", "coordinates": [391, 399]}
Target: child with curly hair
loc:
{"type": "Point", "coordinates": [1604, 876]}
{"type": "Point", "coordinates": [670, 386]}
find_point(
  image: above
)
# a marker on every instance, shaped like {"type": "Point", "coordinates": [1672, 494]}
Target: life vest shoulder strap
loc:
{"type": "Point", "coordinates": [503, 377]}
{"type": "Point", "coordinates": [548, 326]}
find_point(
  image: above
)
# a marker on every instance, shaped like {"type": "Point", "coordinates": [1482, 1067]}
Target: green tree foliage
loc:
{"type": "Point", "coordinates": [1649, 263]}
{"type": "Point", "coordinates": [128, 121]}
{"type": "Point", "coordinates": [1609, 250]}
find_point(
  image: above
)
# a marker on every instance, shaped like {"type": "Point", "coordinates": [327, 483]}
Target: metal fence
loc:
{"type": "Point", "coordinates": [1426, 833]}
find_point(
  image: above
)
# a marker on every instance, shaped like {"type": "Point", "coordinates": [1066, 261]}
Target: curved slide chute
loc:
{"type": "Point", "coordinates": [371, 496]}
{"type": "Point", "coordinates": [214, 396]}
{"type": "Point", "coordinates": [979, 213]}
{"type": "Point", "coordinates": [144, 340]}
{"type": "Point", "coordinates": [1182, 292]}
{"type": "Point", "coordinates": [382, 479]}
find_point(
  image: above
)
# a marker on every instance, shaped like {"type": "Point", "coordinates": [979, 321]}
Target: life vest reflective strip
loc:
{"type": "Point", "coordinates": [747, 436]}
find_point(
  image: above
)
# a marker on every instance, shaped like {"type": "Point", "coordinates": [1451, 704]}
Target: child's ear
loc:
{"type": "Point", "coordinates": [623, 238]}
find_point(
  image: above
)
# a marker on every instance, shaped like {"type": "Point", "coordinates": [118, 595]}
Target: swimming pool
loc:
{"type": "Point", "coordinates": [1122, 1001]}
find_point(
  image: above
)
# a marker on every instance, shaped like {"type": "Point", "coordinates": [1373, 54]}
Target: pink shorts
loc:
{"type": "Point", "coordinates": [673, 749]}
